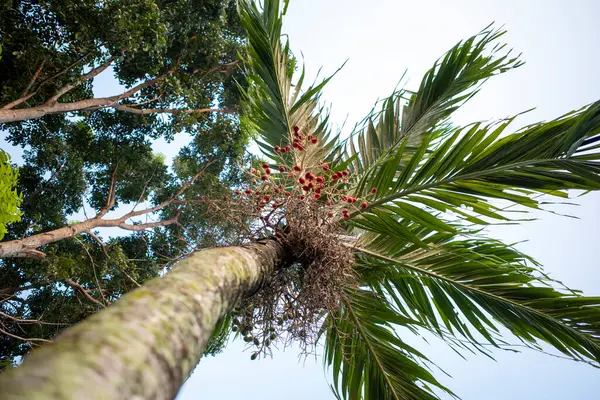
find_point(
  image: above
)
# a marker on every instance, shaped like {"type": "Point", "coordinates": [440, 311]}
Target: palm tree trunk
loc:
{"type": "Point", "coordinates": [145, 345]}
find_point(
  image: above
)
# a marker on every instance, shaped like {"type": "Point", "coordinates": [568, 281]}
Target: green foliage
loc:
{"type": "Point", "coordinates": [185, 44]}
{"type": "Point", "coordinates": [450, 83]}
{"type": "Point", "coordinates": [9, 197]}
{"type": "Point", "coordinates": [366, 355]}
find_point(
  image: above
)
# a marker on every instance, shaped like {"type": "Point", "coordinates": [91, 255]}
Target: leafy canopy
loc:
{"type": "Point", "coordinates": [175, 56]}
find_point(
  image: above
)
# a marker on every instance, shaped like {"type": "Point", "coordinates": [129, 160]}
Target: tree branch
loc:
{"type": "Point", "coordinates": [110, 199]}
{"type": "Point", "coordinates": [29, 321]}
{"type": "Point", "coordinates": [34, 77]}
{"type": "Point", "coordinates": [100, 242]}
{"type": "Point", "coordinates": [172, 198]}
{"type": "Point", "coordinates": [27, 247]}
{"type": "Point", "coordinates": [142, 85]}
{"type": "Point", "coordinates": [51, 105]}
{"type": "Point", "coordinates": [24, 98]}
{"type": "Point", "coordinates": [83, 291]}
{"type": "Point", "coordinates": [42, 186]}
{"type": "Point", "coordinates": [128, 108]}
{"type": "Point", "coordinates": [94, 269]}
{"type": "Point", "coordinates": [93, 73]}
{"type": "Point", "coordinates": [148, 225]}
{"type": "Point", "coordinates": [24, 339]}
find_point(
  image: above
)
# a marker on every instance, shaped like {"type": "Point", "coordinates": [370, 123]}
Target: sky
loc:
{"type": "Point", "coordinates": [382, 39]}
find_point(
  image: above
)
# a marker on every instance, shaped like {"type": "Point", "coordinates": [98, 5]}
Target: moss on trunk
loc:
{"type": "Point", "coordinates": [145, 345]}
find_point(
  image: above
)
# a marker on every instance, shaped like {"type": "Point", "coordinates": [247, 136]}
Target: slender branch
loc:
{"type": "Point", "coordinates": [142, 85]}
{"type": "Point", "coordinates": [172, 198]}
{"type": "Point", "coordinates": [34, 77]}
{"type": "Point", "coordinates": [24, 98]}
{"type": "Point", "coordinates": [83, 291]}
{"type": "Point", "coordinates": [129, 277]}
{"type": "Point", "coordinates": [29, 321]}
{"type": "Point", "coordinates": [24, 339]}
{"type": "Point", "coordinates": [141, 227]}
{"type": "Point", "coordinates": [139, 200]}
{"type": "Point", "coordinates": [93, 73]}
{"type": "Point", "coordinates": [100, 242]}
{"type": "Point", "coordinates": [127, 108]}
{"type": "Point", "coordinates": [141, 103]}
{"type": "Point", "coordinates": [40, 189]}
{"type": "Point", "coordinates": [110, 199]}
{"type": "Point", "coordinates": [18, 101]}
{"type": "Point", "coordinates": [222, 67]}
{"type": "Point", "coordinates": [94, 270]}
{"type": "Point", "coordinates": [64, 71]}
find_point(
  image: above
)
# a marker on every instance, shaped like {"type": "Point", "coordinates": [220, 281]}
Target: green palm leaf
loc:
{"type": "Point", "coordinates": [368, 359]}
{"type": "Point", "coordinates": [451, 81]}
{"type": "Point", "coordinates": [473, 166]}
{"type": "Point", "coordinates": [479, 284]}
{"type": "Point", "coordinates": [274, 104]}
{"type": "Point", "coordinates": [455, 78]}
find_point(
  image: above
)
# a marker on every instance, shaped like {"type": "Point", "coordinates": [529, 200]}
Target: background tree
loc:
{"type": "Point", "coordinates": [112, 170]}
{"type": "Point", "coordinates": [101, 161]}
{"type": "Point", "coordinates": [170, 55]}
{"type": "Point", "coordinates": [350, 246]}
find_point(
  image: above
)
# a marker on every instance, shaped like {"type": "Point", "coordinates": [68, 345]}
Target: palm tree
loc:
{"type": "Point", "coordinates": [356, 239]}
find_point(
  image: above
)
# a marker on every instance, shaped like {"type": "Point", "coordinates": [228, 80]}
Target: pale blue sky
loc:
{"type": "Point", "coordinates": [382, 39]}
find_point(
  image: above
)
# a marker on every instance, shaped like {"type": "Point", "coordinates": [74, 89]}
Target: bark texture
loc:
{"type": "Point", "coordinates": [37, 112]}
{"type": "Point", "coordinates": [26, 247]}
{"type": "Point", "coordinates": [145, 345]}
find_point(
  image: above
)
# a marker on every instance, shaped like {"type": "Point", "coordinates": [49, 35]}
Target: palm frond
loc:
{"type": "Point", "coordinates": [455, 78]}
{"type": "Point", "coordinates": [473, 286]}
{"type": "Point", "coordinates": [368, 359]}
{"type": "Point", "coordinates": [466, 171]}
{"type": "Point", "coordinates": [451, 81]}
{"type": "Point", "coordinates": [274, 104]}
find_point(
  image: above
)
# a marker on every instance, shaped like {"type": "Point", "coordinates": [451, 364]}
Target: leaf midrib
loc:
{"type": "Point", "coordinates": [455, 178]}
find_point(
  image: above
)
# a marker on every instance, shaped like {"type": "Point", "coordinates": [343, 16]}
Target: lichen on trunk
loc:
{"type": "Point", "coordinates": [145, 345]}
